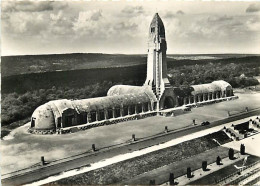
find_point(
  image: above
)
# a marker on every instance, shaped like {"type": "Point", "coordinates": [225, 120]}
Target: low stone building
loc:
{"type": "Point", "coordinates": [211, 91]}
{"type": "Point", "coordinates": [124, 102]}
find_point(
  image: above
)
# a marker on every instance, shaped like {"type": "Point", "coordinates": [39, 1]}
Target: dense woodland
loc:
{"type": "Point", "coordinates": [23, 93]}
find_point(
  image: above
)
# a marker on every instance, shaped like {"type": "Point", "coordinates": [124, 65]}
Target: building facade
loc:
{"type": "Point", "coordinates": [124, 102]}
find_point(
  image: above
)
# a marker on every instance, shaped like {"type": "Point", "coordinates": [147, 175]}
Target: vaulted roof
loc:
{"type": "Point", "coordinates": [128, 89]}
{"type": "Point", "coordinates": [57, 107]}
{"type": "Point", "coordinates": [210, 87]}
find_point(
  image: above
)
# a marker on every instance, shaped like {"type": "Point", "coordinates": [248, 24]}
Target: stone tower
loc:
{"type": "Point", "coordinates": [157, 66]}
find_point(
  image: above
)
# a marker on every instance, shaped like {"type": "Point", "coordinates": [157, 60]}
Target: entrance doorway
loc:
{"type": "Point", "coordinates": [33, 122]}
{"type": "Point", "coordinates": [168, 102]}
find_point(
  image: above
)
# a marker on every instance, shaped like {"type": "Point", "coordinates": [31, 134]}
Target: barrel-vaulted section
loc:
{"type": "Point", "coordinates": [128, 89]}
{"type": "Point", "coordinates": [43, 118]}
{"type": "Point", "coordinates": [215, 86]}
{"type": "Point", "coordinates": [207, 92]}
{"type": "Point", "coordinates": [66, 113]}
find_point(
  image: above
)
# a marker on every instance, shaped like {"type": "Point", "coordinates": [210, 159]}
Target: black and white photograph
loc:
{"type": "Point", "coordinates": [130, 92]}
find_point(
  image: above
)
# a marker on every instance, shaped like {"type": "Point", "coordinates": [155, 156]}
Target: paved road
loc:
{"type": "Point", "coordinates": [37, 173]}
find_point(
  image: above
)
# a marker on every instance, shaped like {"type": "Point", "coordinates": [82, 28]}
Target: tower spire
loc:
{"type": "Point", "coordinates": [156, 60]}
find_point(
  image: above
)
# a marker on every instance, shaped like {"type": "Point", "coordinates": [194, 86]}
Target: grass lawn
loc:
{"type": "Point", "coordinates": [5, 130]}
{"type": "Point", "coordinates": [127, 169]}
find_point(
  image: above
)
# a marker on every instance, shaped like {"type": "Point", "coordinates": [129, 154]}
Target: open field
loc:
{"type": "Point", "coordinates": [21, 149]}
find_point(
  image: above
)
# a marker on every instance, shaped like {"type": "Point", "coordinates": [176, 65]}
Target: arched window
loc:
{"type": "Point", "coordinates": [125, 108]}
{"type": "Point", "coordinates": [93, 116]}
{"type": "Point", "coordinates": [117, 112]}
{"type": "Point", "coordinates": [101, 115]}
{"type": "Point", "coordinates": [109, 113]}
{"type": "Point", "coordinates": [145, 107]}
{"type": "Point", "coordinates": [59, 122]}
{"type": "Point", "coordinates": [169, 102]}
{"type": "Point", "coordinates": [139, 108]}
{"type": "Point", "coordinates": [131, 109]}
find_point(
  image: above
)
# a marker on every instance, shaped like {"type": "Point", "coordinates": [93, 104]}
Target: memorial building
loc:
{"type": "Point", "coordinates": [125, 102]}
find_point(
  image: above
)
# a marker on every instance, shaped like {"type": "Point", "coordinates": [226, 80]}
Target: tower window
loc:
{"type": "Point", "coordinates": [161, 30]}
{"type": "Point", "coordinates": [152, 29]}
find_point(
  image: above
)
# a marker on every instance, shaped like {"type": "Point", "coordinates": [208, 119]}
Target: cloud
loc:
{"type": "Point", "coordinates": [126, 26]}
{"type": "Point", "coordinates": [132, 11]}
{"type": "Point", "coordinates": [96, 15]}
{"type": "Point", "coordinates": [29, 6]}
{"type": "Point", "coordinates": [28, 27]}
{"type": "Point", "coordinates": [179, 12]}
{"type": "Point", "coordinates": [201, 29]}
{"type": "Point", "coordinates": [92, 25]}
{"type": "Point", "coordinates": [253, 8]}
{"type": "Point", "coordinates": [88, 21]}
{"type": "Point", "coordinates": [60, 24]}
{"type": "Point", "coordinates": [41, 25]}
{"type": "Point", "coordinates": [253, 24]}
{"type": "Point", "coordinates": [169, 15]}
{"type": "Point", "coordinates": [23, 23]}
{"type": "Point", "coordinates": [173, 27]}
{"type": "Point", "coordinates": [215, 27]}
{"type": "Point", "coordinates": [219, 18]}
{"type": "Point", "coordinates": [210, 27]}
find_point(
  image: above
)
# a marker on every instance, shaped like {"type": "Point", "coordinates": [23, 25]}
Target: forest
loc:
{"type": "Point", "coordinates": [23, 93]}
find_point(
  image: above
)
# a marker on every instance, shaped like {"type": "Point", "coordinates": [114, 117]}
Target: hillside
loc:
{"type": "Point", "coordinates": [16, 65]}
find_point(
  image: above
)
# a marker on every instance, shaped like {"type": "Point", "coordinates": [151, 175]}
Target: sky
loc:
{"type": "Point", "coordinates": [192, 27]}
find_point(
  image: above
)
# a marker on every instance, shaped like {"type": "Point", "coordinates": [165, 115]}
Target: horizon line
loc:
{"type": "Point", "coordinates": [130, 54]}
